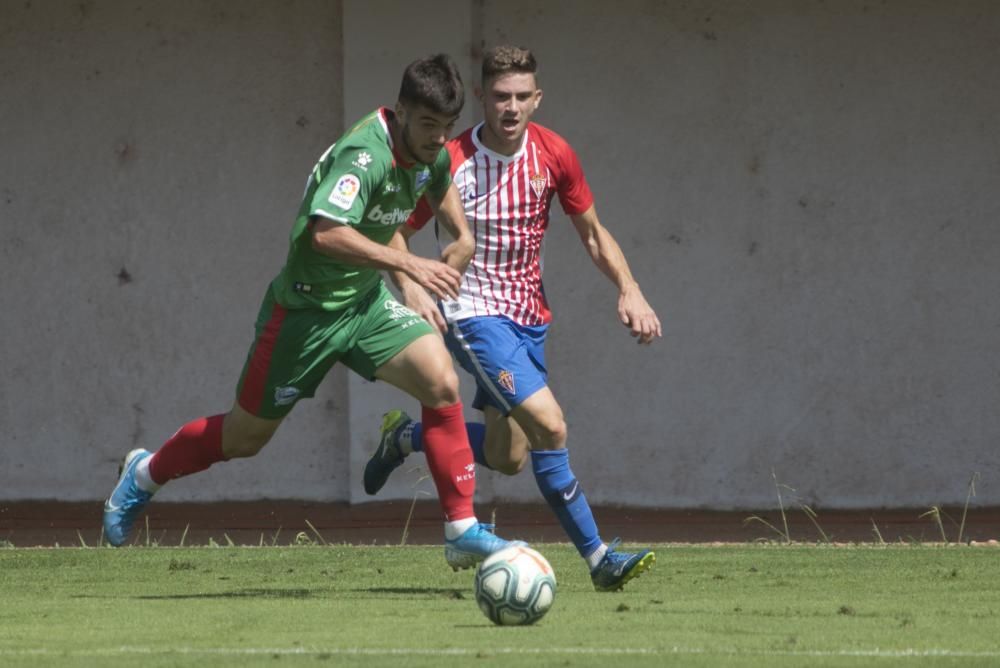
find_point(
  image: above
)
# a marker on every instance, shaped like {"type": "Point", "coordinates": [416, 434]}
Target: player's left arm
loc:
{"type": "Point", "coordinates": [450, 214]}
{"type": "Point", "coordinates": [414, 295]}
{"type": "Point", "coordinates": [633, 309]}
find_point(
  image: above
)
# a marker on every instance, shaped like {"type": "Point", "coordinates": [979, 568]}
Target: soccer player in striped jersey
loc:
{"type": "Point", "coordinates": [508, 170]}
{"type": "Point", "coordinates": [329, 304]}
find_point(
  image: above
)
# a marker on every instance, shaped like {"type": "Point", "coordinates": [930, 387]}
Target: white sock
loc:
{"type": "Point", "coordinates": [595, 557]}
{"type": "Point", "coordinates": [142, 478]}
{"type": "Point", "coordinates": [453, 530]}
{"type": "Point", "coordinates": [405, 439]}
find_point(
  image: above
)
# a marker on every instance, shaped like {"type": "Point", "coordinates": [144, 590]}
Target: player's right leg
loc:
{"type": "Point", "coordinates": [423, 369]}
{"type": "Point", "coordinates": [541, 418]}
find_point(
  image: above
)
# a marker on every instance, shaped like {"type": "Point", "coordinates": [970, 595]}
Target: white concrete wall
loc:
{"type": "Point", "coordinates": [807, 192]}
{"type": "Point", "coordinates": [153, 157]}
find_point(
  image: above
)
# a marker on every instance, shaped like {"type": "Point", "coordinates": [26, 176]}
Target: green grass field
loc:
{"type": "Point", "coordinates": [751, 605]}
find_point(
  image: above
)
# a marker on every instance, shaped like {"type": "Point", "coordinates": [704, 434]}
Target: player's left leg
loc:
{"type": "Point", "coordinates": [498, 443]}
{"type": "Point", "coordinates": [400, 436]}
{"type": "Point", "coordinates": [193, 448]}
{"type": "Point", "coordinates": [492, 350]}
{"type": "Point", "coordinates": [242, 432]}
{"type": "Point", "coordinates": [505, 445]}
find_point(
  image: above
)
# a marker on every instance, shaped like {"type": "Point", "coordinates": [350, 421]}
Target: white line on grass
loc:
{"type": "Point", "coordinates": [459, 651]}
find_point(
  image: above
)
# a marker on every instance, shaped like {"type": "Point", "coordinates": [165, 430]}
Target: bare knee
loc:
{"type": "Point", "coordinates": [443, 390]}
{"type": "Point", "coordinates": [550, 434]}
{"type": "Point", "coordinates": [542, 421]}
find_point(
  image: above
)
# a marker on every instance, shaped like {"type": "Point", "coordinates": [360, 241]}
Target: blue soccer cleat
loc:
{"type": "Point", "coordinates": [477, 543]}
{"type": "Point", "coordinates": [617, 568]}
{"type": "Point", "coordinates": [387, 456]}
{"type": "Point", "coordinates": [126, 501]}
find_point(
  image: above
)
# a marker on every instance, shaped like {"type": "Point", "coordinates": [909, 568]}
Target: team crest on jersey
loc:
{"type": "Point", "coordinates": [538, 183]}
{"type": "Point", "coordinates": [345, 190]}
{"type": "Point", "coordinates": [285, 395]}
{"type": "Point", "coordinates": [506, 380]}
{"type": "Point", "coordinates": [422, 177]}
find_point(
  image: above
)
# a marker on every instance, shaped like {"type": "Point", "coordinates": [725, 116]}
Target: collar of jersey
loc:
{"type": "Point", "coordinates": [383, 117]}
{"type": "Point", "coordinates": [493, 154]}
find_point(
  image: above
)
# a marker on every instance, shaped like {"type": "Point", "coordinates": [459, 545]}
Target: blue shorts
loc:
{"type": "Point", "coordinates": [506, 359]}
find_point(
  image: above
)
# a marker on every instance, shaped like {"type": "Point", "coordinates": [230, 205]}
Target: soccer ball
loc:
{"type": "Point", "coordinates": [515, 586]}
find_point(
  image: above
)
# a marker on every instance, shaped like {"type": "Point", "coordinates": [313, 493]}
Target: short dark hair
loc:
{"type": "Point", "coordinates": [435, 83]}
{"type": "Point", "coordinates": [507, 59]}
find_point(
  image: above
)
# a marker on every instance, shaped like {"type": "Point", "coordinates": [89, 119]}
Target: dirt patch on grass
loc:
{"type": "Point", "coordinates": [46, 523]}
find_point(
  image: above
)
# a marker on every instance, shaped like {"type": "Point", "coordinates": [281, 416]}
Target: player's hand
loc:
{"type": "Point", "coordinates": [636, 314]}
{"type": "Point", "coordinates": [420, 302]}
{"type": "Point", "coordinates": [436, 277]}
{"type": "Point", "coordinates": [459, 253]}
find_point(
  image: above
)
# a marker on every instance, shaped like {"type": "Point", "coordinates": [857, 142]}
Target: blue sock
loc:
{"type": "Point", "coordinates": [477, 436]}
{"type": "Point", "coordinates": [561, 489]}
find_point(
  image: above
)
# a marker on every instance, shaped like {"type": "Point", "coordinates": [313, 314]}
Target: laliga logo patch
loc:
{"type": "Point", "coordinates": [345, 190]}
{"type": "Point", "coordinates": [538, 183]}
{"type": "Point", "coordinates": [506, 380]}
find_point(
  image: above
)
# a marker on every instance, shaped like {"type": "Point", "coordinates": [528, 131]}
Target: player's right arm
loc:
{"type": "Point", "coordinates": [337, 206]}
{"type": "Point", "coordinates": [345, 244]}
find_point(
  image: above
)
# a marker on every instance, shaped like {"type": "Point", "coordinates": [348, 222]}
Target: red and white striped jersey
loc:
{"type": "Point", "coordinates": [507, 201]}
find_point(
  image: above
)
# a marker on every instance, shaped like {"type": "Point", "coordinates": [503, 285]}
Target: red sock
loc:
{"type": "Point", "coordinates": [196, 446]}
{"type": "Point", "coordinates": [449, 457]}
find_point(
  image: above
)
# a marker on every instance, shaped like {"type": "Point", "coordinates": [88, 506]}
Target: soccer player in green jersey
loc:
{"type": "Point", "coordinates": [329, 304]}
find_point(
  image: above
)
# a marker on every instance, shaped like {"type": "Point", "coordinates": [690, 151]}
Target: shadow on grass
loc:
{"type": "Point", "coordinates": [414, 591]}
{"type": "Point", "coordinates": [296, 593]}
{"type": "Point", "coordinates": [239, 593]}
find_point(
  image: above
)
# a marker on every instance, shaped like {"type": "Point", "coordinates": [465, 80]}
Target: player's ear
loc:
{"type": "Point", "coordinates": [478, 92]}
{"type": "Point", "coordinates": [401, 113]}
{"type": "Point", "coordinates": [538, 97]}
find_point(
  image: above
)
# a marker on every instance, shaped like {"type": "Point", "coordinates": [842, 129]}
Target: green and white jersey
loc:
{"type": "Point", "coordinates": [360, 181]}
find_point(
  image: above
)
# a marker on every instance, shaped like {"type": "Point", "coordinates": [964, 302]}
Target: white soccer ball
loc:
{"type": "Point", "coordinates": [515, 586]}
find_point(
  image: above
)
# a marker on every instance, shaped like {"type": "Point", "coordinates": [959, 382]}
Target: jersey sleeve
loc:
{"type": "Point", "coordinates": [420, 215]}
{"type": "Point", "coordinates": [574, 192]}
{"type": "Point", "coordinates": [348, 184]}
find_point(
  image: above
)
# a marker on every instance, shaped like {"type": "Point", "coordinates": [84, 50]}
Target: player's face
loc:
{"type": "Point", "coordinates": [509, 101]}
{"type": "Point", "coordinates": [423, 132]}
